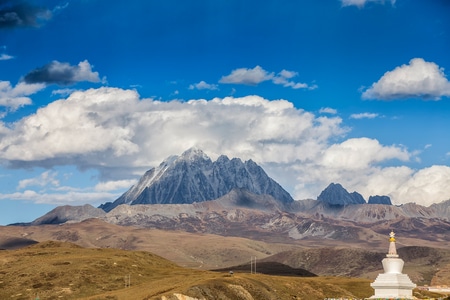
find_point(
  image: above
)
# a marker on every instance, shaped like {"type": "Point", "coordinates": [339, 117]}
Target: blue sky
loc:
{"type": "Point", "coordinates": [93, 93]}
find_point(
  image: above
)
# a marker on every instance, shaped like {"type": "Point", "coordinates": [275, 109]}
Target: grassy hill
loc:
{"type": "Point", "coordinates": [61, 270]}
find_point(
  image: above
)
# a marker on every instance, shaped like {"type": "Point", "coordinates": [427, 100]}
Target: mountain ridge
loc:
{"type": "Point", "coordinates": [257, 214]}
{"type": "Point", "coordinates": [194, 177]}
{"type": "Point", "coordinates": [244, 214]}
{"type": "Point", "coordinates": [336, 194]}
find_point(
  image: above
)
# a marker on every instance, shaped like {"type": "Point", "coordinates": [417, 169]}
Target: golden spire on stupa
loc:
{"type": "Point", "coordinates": [392, 236]}
{"type": "Point", "coordinates": [392, 249]}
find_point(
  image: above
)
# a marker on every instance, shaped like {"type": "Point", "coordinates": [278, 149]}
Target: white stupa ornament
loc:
{"type": "Point", "coordinates": [392, 249]}
{"type": "Point", "coordinates": [392, 283]}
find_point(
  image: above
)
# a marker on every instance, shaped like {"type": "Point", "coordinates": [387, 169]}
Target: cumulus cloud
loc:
{"type": "Point", "coordinates": [425, 186]}
{"type": "Point", "coordinates": [365, 115]}
{"type": "Point", "coordinates": [403, 184]}
{"type": "Point", "coordinates": [69, 128]}
{"type": "Point", "coordinates": [202, 85]}
{"type": "Point", "coordinates": [247, 76]}
{"type": "Point", "coordinates": [46, 178]}
{"type": "Point", "coordinates": [418, 79]}
{"type": "Point", "coordinates": [15, 14]}
{"type": "Point", "coordinates": [114, 185]}
{"type": "Point", "coordinates": [361, 3]}
{"type": "Point", "coordinates": [328, 110]}
{"type": "Point", "coordinates": [63, 74]}
{"type": "Point", "coordinates": [109, 126]}
{"type": "Point", "coordinates": [361, 153]}
{"type": "Point", "coordinates": [257, 75]}
{"type": "Point", "coordinates": [17, 96]}
{"type": "Point", "coordinates": [114, 131]}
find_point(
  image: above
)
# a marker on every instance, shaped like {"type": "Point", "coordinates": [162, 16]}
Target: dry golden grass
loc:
{"type": "Point", "coordinates": [55, 270]}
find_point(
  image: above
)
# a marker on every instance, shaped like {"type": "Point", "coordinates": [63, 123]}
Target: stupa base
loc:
{"type": "Point", "coordinates": [393, 286]}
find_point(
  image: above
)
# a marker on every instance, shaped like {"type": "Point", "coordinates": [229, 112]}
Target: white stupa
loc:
{"type": "Point", "coordinates": [392, 283]}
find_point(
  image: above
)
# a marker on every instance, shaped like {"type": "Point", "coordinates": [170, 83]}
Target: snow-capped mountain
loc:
{"type": "Point", "coordinates": [194, 177]}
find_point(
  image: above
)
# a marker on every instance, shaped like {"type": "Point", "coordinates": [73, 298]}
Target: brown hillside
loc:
{"type": "Point", "coordinates": [207, 251]}
{"type": "Point", "coordinates": [422, 264]}
{"type": "Point", "coordinates": [57, 270]}
{"type": "Point", "coordinates": [201, 251]}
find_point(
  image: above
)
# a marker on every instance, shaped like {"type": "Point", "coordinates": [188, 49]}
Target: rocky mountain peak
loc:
{"type": "Point", "coordinates": [380, 200]}
{"type": "Point", "coordinates": [193, 177]}
{"type": "Point", "coordinates": [193, 154]}
{"type": "Point", "coordinates": [335, 194]}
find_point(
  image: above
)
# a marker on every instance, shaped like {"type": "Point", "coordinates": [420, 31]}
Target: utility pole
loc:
{"type": "Point", "coordinates": [127, 280]}
{"type": "Point", "coordinates": [252, 264]}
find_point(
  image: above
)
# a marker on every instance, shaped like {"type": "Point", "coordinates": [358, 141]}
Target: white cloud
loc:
{"type": "Point", "coordinates": [65, 198]}
{"type": "Point", "coordinates": [360, 153]}
{"type": "Point", "coordinates": [287, 74]}
{"type": "Point", "coordinates": [283, 77]}
{"type": "Point", "coordinates": [247, 76]}
{"type": "Point", "coordinates": [45, 179]}
{"type": "Point", "coordinates": [257, 75]}
{"type": "Point", "coordinates": [425, 186]}
{"type": "Point", "coordinates": [361, 3]}
{"type": "Point", "coordinates": [84, 73]}
{"type": "Point", "coordinates": [202, 85]}
{"type": "Point", "coordinates": [364, 116]}
{"type": "Point", "coordinates": [15, 97]}
{"type": "Point", "coordinates": [418, 79]}
{"type": "Point", "coordinates": [328, 110]}
{"type": "Point", "coordinates": [86, 123]}
{"type": "Point", "coordinates": [115, 185]}
{"type": "Point", "coordinates": [113, 127]}
{"type": "Point", "coordinates": [5, 56]}
{"type": "Point", "coordinates": [120, 135]}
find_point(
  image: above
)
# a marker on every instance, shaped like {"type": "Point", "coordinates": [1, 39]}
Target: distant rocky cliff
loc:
{"type": "Point", "coordinates": [379, 200]}
{"type": "Point", "coordinates": [337, 195]}
{"type": "Point", "coordinates": [194, 177]}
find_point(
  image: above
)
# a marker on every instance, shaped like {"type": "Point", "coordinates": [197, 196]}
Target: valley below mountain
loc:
{"type": "Point", "coordinates": [62, 270]}
{"type": "Point", "coordinates": [427, 262]}
{"type": "Point", "coordinates": [205, 215]}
